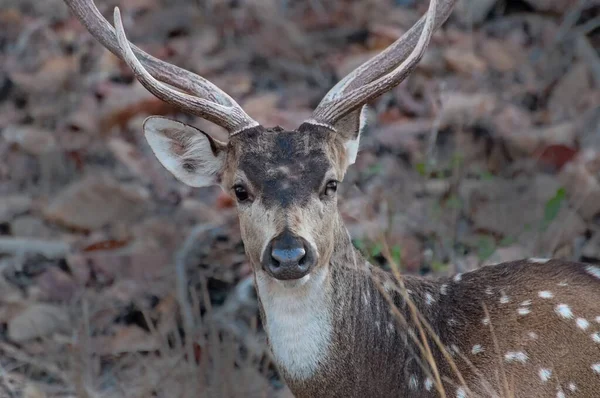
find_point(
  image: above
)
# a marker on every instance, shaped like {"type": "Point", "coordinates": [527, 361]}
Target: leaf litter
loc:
{"type": "Point", "coordinates": [489, 152]}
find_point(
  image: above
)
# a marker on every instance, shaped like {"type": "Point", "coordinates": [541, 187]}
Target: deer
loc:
{"type": "Point", "coordinates": [338, 326]}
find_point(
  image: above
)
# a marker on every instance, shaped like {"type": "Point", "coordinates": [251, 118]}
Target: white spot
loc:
{"type": "Point", "coordinates": [582, 324]}
{"type": "Point", "coordinates": [564, 311]}
{"type": "Point", "coordinates": [485, 321]}
{"type": "Point", "coordinates": [390, 327]}
{"type": "Point", "coordinates": [378, 325]}
{"type": "Point", "coordinates": [504, 298]}
{"type": "Point", "coordinates": [560, 394]}
{"type": "Point", "coordinates": [526, 303]}
{"type": "Point", "coordinates": [532, 335]}
{"type": "Point", "coordinates": [455, 348]}
{"type": "Point", "coordinates": [596, 337]}
{"type": "Point", "coordinates": [593, 270]}
{"type": "Point", "coordinates": [411, 334]}
{"type": "Point", "coordinates": [572, 387]}
{"type": "Point", "coordinates": [457, 277]}
{"type": "Point", "coordinates": [563, 283]}
{"type": "Point", "coordinates": [516, 356]}
{"type": "Point", "coordinates": [538, 260]}
{"type": "Point", "coordinates": [460, 393]}
{"type": "Point", "coordinates": [489, 291]}
{"type": "Point", "coordinates": [523, 311]}
{"type": "Point", "coordinates": [298, 324]}
{"type": "Point", "coordinates": [477, 348]}
{"type": "Point", "coordinates": [597, 319]}
{"type": "Point", "coordinates": [387, 285]}
{"type": "Point", "coordinates": [452, 322]}
{"type": "Point", "coordinates": [444, 289]}
{"type": "Point", "coordinates": [545, 374]}
{"type": "Point", "coordinates": [428, 384]}
{"type": "Point", "coordinates": [364, 299]}
{"type": "Point", "coordinates": [546, 294]}
{"type": "Point", "coordinates": [596, 367]}
{"type": "Point", "coordinates": [413, 383]}
{"type": "Point", "coordinates": [429, 299]}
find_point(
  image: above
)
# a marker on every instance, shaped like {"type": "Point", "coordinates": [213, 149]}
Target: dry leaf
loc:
{"type": "Point", "coordinates": [31, 139]}
{"type": "Point", "coordinates": [95, 201]}
{"type": "Point", "coordinates": [37, 320]}
{"type": "Point", "coordinates": [126, 339]}
{"type": "Point", "coordinates": [13, 205]}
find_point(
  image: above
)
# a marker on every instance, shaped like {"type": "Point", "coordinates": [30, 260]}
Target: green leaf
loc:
{"type": "Point", "coordinates": [376, 249]}
{"type": "Point", "coordinates": [359, 244]}
{"type": "Point", "coordinates": [553, 206]}
{"type": "Point", "coordinates": [397, 254]}
{"type": "Point", "coordinates": [454, 202]}
{"type": "Point", "coordinates": [421, 168]}
{"type": "Point", "coordinates": [457, 160]}
{"type": "Point", "coordinates": [486, 246]}
{"type": "Point", "coordinates": [507, 241]}
{"type": "Point", "coordinates": [438, 266]}
{"type": "Point", "coordinates": [374, 169]}
{"type": "Point", "coordinates": [486, 176]}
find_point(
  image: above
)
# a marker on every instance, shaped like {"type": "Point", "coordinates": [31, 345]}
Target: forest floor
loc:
{"type": "Point", "coordinates": [489, 152]}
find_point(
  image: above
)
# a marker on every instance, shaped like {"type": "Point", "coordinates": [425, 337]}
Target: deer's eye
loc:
{"type": "Point", "coordinates": [241, 193]}
{"type": "Point", "coordinates": [331, 188]}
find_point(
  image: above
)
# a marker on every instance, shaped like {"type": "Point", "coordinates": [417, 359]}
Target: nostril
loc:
{"type": "Point", "coordinates": [288, 256]}
{"type": "Point", "coordinates": [274, 262]}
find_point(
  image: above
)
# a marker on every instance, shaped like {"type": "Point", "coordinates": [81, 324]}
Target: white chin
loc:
{"type": "Point", "coordinates": [296, 282]}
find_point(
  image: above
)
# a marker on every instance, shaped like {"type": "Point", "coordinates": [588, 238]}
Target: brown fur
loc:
{"type": "Point", "coordinates": [285, 171]}
{"type": "Point", "coordinates": [372, 352]}
{"type": "Point", "coordinates": [371, 360]}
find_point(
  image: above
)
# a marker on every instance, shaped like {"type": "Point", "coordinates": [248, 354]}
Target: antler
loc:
{"type": "Point", "coordinates": [208, 101]}
{"type": "Point", "coordinates": [384, 71]}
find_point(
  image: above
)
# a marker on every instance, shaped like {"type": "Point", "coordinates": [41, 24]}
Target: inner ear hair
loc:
{"type": "Point", "coordinates": [350, 126]}
{"type": "Point", "coordinates": [191, 155]}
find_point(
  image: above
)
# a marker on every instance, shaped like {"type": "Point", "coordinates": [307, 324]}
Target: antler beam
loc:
{"type": "Point", "coordinates": [208, 101]}
{"type": "Point", "coordinates": [384, 71]}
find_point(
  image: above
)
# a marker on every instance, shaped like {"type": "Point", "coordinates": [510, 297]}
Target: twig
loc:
{"type": "Point", "coordinates": [225, 317]}
{"type": "Point", "coordinates": [587, 27]}
{"type": "Point", "coordinates": [181, 258]}
{"type": "Point", "coordinates": [569, 21]}
{"type": "Point", "coordinates": [586, 52]}
{"type": "Point", "coordinates": [46, 367]}
{"type": "Point", "coordinates": [20, 246]}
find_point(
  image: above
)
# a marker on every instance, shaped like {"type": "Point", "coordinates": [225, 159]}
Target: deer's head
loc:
{"type": "Point", "coordinates": [284, 182]}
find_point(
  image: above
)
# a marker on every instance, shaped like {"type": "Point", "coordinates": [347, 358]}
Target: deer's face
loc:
{"type": "Point", "coordinates": [285, 185]}
{"type": "Point", "coordinates": [284, 182]}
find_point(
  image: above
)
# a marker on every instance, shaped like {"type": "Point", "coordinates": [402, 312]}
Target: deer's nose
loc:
{"type": "Point", "coordinates": [288, 257]}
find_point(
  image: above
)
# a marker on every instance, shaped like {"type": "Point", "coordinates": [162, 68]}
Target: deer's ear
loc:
{"type": "Point", "coordinates": [191, 155]}
{"type": "Point", "coordinates": [351, 127]}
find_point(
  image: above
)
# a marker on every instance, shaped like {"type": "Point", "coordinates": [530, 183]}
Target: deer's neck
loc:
{"type": "Point", "coordinates": [339, 323]}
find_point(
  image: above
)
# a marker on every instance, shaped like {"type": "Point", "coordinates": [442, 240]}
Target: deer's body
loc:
{"type": "Point", "coordinates": [337, 326]}
{"type": "Point", "coordinates": [539, 337]}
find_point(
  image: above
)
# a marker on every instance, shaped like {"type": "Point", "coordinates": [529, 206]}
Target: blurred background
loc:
{"type": "Point", "coordinates": [116, 280]}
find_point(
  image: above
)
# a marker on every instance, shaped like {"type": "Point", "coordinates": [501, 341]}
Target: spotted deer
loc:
{"type": "Point", "coordinates": [336, 325]}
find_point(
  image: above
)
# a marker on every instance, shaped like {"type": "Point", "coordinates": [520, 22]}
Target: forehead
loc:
{"type": "Point", "coordinates": [286, 167]}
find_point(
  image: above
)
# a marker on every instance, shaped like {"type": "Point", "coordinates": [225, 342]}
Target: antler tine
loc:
{"type": "Point", "coordinates": [214, 105]}
{"type": "Point", "coordinates": [381, 73]}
